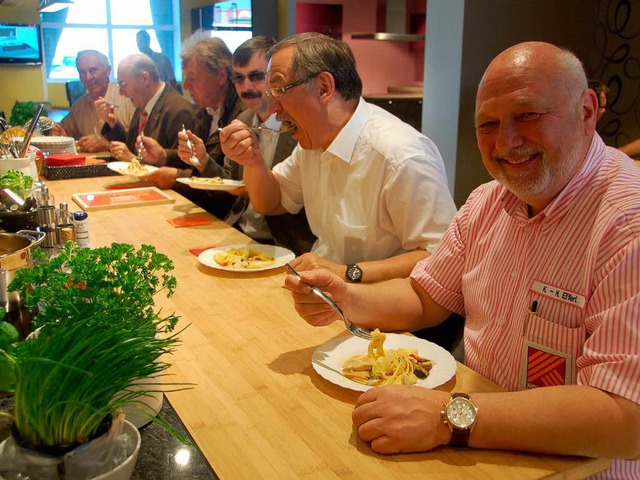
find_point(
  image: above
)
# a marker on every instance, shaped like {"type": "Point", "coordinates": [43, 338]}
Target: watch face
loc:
{"type": "Point", "coordinates": [354, 273]}
{"type": "Point", "coordinates": [461, 413]}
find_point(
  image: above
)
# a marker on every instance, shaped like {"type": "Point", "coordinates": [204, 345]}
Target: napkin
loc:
{"type": "Point", "coordinates": [65, 160]}
{"type": "Point", "coordinates": [192, 220]}
{"type": "Point", "coordinates": [198, 251]}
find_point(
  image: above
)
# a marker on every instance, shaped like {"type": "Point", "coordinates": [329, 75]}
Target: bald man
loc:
{"type": "Point", "coordinates": [160, 111]}
{"type": "Point", "coordinates": [542, 262]}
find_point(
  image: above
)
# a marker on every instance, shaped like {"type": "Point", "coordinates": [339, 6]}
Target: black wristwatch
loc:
{"type": "Point", "coordinates": [354, 273]}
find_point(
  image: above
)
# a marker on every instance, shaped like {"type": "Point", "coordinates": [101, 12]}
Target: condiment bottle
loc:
{"type": "Point", "coordinates": [65, 229]}
{"type": "Point", "coordinates": [81, 222]}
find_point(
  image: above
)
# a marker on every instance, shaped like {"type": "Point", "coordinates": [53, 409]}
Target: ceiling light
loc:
{"type": "Point", "coordinates": [49, 6]}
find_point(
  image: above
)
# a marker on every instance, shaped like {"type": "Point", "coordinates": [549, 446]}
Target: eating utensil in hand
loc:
{"type": "Point", "coordinates": [193, 159]}
{"type": "Point", "coordinates": [352, 327]}
{"type": "Point", "coordinates": [285, 127]}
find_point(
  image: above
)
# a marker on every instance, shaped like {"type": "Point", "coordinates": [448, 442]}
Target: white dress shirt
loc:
{"type": "Point", "coordinates": [379, 190]}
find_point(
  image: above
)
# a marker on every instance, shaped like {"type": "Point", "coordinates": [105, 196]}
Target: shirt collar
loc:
{"type": "Point", "coordinates": [345, 142]}
{"type": "Point", "coordinates": [212, 111]}
{"type": "Point", "coordinates": [152, 102]}
{"type": "Point", "coordinates": [558, 206]}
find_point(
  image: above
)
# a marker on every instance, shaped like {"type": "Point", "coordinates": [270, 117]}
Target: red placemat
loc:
{"type": "Point", "coordinates": [191, 220]}
{"type": "Point", "coordinates": [198, 251]}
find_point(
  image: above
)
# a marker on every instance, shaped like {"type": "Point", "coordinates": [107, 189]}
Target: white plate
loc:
{"type": "Point", "coordinates": [121, 168]}
{"type": "Point", "coordinates": [199, 185]}
{"type": "Point", "coordinates": [281, 256]}
{"type": "Point", "coordinates": [327, 360]}
{"type": "Point", "coordinates": [53, 140]}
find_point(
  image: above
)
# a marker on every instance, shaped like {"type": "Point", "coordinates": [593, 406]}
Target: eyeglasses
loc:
{"type": "Point", "coordinates": [277, 92]}
{"type": "Point", "coordinates": [255, 76]}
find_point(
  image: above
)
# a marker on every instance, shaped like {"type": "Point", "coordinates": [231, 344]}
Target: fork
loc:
{"type": "Point", "coordinates": [352, 327]}
{"type": "Point", "coordinates": [262, 128]}
{"type": "Point", "coordinates": [194, 160]}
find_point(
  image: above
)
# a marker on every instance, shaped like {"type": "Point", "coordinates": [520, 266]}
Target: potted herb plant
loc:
{"type": "Point", "coordinates": [97, 335]}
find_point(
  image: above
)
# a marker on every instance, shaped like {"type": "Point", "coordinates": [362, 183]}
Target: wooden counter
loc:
{"type": "Point", "coordinates": [257, 408]}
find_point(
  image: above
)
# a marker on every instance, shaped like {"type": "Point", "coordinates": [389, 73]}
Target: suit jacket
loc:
{"type": "Point", "coordinates": [288, 230]}
{"type": "Point", "coordinates": [216, 203]}
{"type": "Point", "coordinates": [170, 112]}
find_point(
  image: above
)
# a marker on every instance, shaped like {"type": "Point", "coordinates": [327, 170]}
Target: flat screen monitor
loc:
{"type": "Point", "coordinates": [232, 14]}
{"type": "Point", "coordinates": [20, 44]}
{"type": "Point", "coordinates": [229, 20]}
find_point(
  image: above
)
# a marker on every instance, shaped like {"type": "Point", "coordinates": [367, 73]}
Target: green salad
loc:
{"type": "Point", "coordinates": [16, 181]}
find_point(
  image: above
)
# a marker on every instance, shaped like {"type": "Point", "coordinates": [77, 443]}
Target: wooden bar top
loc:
{"type": "Point", "coordinates": [256, 407]}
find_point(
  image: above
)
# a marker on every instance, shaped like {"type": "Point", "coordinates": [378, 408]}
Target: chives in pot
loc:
{"type": "Point", "coordinates": [98, 336]}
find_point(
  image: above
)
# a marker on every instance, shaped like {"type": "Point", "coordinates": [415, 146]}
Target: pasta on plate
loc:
{"type": "Point", "coordinates": [208, 181]}
{"type": "Point", "coordinates": [243, 258]}
{"type": "Point", "coordinates": [136, 168]}
{"type": "Point", "coordinates": [385, 367]}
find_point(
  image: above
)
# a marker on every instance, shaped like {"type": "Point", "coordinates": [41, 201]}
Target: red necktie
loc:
{"type": "Point", "coordinates": [143, 121]}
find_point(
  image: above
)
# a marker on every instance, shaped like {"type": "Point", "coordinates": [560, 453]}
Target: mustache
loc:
{"type": "Point", "coordinates": [516, 152]}
{"type": "Point", "coordinates": [250, 94]}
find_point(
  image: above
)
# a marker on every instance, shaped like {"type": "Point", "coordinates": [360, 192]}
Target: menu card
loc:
{"type": "Point", "coordinates": [129, 197]}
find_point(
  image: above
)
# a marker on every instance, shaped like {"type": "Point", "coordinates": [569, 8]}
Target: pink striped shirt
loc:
{"type": "Point", "coordinates": [579, 260]}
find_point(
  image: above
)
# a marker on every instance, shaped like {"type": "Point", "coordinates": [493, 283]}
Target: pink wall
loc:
{"type": "Point", "coordinates": [380, 63]}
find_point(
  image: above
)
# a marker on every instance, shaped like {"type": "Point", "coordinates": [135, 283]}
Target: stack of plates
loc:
{"type": "Point", "coordinates": [55, 144]}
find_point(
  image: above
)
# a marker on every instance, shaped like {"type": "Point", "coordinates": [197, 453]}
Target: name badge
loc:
{"type": "Point", "coordinates": [556, 293]}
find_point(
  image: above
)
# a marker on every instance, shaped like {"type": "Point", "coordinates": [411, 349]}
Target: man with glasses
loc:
{"type": "Point", "coordinates": [206, 69]}
{"type": "Point", "coordinates": [83, 122]}
{"type": "Point", "coordinates": [374, 189]}
{"type": "Point", "coordinates": [160, 112]}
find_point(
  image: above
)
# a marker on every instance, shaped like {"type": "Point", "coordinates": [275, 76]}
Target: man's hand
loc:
{"type": "Point", "coordinates": [120, 151]}
{"type": "Point", "coordinates": [240, 144]}
{"type": "Point", "coordinates": [163, 178]}
{"type": "Point", "coordinates": [309, 261]}
{"type": "Point", "coordinates": [308, 305]}
{"type": "Point", "coordinates": [199, 149]}
{"type": "Point", "coordinates": [105, 111]}
{"type": "Point", "coordinates": [401, 419]}
{"type": "Point", "coordinates": [152, 152]}
{"type": "Point", "coordinates": [58, 131]}
{"type": "Point", "coordinates": [238, 192]}
{"type": "Point", "coordinates": [93, 143]}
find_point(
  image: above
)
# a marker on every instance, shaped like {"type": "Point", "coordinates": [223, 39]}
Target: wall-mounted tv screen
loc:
{"type": "Point", "coordinates": [20, 44]}
{"type": "Point", "coordinates": [229, 20]}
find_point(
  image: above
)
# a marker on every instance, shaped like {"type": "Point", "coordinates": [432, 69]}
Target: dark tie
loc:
{"type": "Point", "coordinates": [143, 121]}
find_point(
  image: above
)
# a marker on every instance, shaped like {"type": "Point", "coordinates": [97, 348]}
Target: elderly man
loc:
{"type": "Point", "coordinates": [83, 121]}
{"type": "Point", "coordinates": [206, 67]}
{"type": "Point", "coordinates": [160, 112]}
{"type": "Point", "coordinates": [249, 65]}
{"type": "Point", "coordinates": [543, 262]}
{"type": "Point", "coordinates": [374, 189]}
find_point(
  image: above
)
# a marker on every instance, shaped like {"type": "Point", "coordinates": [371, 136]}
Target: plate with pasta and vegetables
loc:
{"type": "Point", "coordinates": [246, 258]}
{"type": "Point", "coordinates": [388, 358]}
{"type": "Point", "coordinates": [211, 183]}
{"type": "Point", "coordinates": [134, 168]}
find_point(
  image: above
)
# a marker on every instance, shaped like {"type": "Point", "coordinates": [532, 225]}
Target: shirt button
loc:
{"type": "Point", "coordinates": [500, 320]}
{"type": "Point", "coordinates": [514, 274]}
